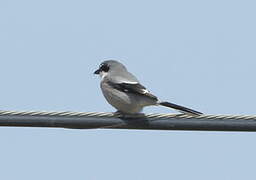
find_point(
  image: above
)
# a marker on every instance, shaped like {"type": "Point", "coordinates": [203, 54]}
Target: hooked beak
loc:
{"type": "Point", "coordinates": [97, 71]}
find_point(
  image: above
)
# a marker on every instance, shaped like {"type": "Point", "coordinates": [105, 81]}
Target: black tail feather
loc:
{"type": "Point", "coordinates": [180, 108]}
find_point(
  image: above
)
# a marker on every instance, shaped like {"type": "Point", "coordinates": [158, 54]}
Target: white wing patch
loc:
{"type": "Point", "coordinates": [129, 82]}
{"type": "Point", "coordinates": [145, 91]}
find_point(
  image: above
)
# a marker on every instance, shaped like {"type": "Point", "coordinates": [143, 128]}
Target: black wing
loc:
{"type": "Point", "coordinates": [133, 88]}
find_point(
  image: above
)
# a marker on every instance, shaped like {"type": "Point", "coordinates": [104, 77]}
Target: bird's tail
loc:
{"type": "Point", "coordinates": [180, 108]}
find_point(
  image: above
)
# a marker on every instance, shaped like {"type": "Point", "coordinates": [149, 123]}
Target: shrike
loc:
{"type": "Point", "coordinates": [123, 90]}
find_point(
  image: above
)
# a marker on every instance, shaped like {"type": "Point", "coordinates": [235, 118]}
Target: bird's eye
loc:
{"type": "Point", "coordinates": [104, 67]}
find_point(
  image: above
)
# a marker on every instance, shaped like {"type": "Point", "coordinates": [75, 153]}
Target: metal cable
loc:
{"type": "Point", "coordinates": [86, 120]}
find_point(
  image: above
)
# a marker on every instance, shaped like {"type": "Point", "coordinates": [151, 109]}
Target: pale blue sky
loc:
{"type": "Point", "coordinates": [195, 53]}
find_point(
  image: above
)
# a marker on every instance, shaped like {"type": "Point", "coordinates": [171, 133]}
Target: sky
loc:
{"type": "Point", "coordinates": [200, 54]}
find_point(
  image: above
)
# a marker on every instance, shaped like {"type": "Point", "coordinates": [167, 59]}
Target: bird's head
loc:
{"type": "Point", "coordinates": [109, 66]}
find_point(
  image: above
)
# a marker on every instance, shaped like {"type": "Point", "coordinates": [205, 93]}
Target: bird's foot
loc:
{"type": "Point", "coordinates": [118, 113]}
{"type": "Point", "coordinates": [128, 115]}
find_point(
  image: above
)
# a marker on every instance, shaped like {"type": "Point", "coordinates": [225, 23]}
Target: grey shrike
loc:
{"type": "Point", "coordinates": [123, 90]}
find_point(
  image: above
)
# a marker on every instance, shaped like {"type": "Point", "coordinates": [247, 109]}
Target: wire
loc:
{"type": "Point", "coordinates": [88, 120]}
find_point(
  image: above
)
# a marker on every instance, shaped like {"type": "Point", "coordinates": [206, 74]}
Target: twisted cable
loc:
{"type": "Point", "coordinates": [88, 120]}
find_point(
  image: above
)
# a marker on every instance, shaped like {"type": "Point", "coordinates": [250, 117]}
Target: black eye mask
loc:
{"type": "Point", "coordinates": [104, 67]}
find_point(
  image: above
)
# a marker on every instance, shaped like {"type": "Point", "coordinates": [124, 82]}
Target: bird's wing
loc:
{"type": "Point", "coordinates": [133, 88]}
{"type": "Point", "coordinates": [122, 77]}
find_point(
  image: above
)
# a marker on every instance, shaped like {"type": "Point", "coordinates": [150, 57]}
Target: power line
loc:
{"type": "Point", "coordinates": [81, 120]}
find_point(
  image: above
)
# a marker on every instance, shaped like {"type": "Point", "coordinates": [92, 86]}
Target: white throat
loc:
{"type": "Point", "coordinates": [103, 74]}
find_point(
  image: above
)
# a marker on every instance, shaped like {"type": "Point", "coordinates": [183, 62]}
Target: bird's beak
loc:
{"type": "Point", "coordinates": [97, 71]}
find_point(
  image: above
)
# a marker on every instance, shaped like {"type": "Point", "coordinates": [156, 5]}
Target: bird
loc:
{"type": "Point", "coordinates": [125, 93]}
